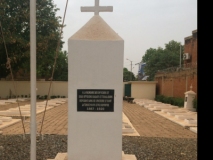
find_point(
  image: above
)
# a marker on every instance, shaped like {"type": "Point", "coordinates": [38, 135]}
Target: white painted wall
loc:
{"type": "Point", "coordinates": [61, 88]}
{"type": "Point", "coordinates": [23, 88]}
{"type": "Point", "coordinates": [143, 89]}
{"type": "Point", "coordinates": [95, 65]}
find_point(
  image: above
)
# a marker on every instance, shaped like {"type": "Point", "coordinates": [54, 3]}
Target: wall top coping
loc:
{"type": "Point", "coordinates": [190, 92]}
{"type": "Point", "coordinates": [36, 81]}
{"type": "Point", "coordinates": [143, 82]}
{"type": "Point", "coordinates": [195, 31]}
{"type": "Point", "coordinates": [187, 38]}
{"type": "Point", "coordinates": [190, 37]}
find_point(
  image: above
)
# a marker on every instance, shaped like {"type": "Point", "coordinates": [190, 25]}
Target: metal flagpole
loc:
{"type": "Point", "coordinates": [33, 78]}
{"type": "Point", "coordinates": [130, 69]}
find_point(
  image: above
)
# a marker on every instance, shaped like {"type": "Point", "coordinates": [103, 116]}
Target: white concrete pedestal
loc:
{"type": "Point", "coordinates": [95, 64]}
{"type": "Point", "coordinates": [189, 97]}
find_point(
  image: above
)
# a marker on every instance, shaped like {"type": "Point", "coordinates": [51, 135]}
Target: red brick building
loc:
{"type": "Point", "coordinates": [176, 81]}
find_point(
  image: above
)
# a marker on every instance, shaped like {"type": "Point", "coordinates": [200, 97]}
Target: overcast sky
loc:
{"type": "Point", "coordinates": [143, 24]}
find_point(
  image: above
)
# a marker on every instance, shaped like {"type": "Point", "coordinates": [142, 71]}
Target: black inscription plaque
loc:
{"type": "Point", "coordinates": [95, 100]}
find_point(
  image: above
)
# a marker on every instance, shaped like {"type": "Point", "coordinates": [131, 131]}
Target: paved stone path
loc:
{"type": "Point", "coordinates": [150, 124]}
{"type": "Point", "coordinates": [147, 123]}
{"type": "Point", "coordinates": [55, 122]}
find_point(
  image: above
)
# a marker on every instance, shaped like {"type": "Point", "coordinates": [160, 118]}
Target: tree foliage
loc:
{"type": "Point", "coordinates": [158, 59]}
{"type": "Point", "coordinates": [61, 71]}
{"type": "Point", "coordinates": [128, 75]}
{"type": "Point", "coordinates": [15, 20]}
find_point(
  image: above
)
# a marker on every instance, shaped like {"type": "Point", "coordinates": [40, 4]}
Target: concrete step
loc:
{"type": "Point", "coordinates": [60, 156]}
{"type": "Point", "coordinates": [63, 156]}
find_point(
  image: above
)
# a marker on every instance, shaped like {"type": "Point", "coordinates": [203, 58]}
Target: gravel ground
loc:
{"type": "Point", "coordinates": [13, 147]}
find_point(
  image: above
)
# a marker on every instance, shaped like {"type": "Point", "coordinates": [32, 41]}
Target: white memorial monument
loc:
{"type": "Point", "coordinates": [95, 90]}
{"type": "Point", "coordinates": [189, 97]}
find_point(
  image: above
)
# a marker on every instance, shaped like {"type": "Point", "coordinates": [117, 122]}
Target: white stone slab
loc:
{"type": "Point", "coordinates": [38, 105]}
{"type": "Point", "coordinates": [58, 101]}
{"type": "Point", "coordinates": [129, 157]}
{"type": "Point", "coordinates": [10, 101]}
{"type": "Point", "coordinates": [178, 113]}
{"type": "Point", "coordinates": [146, 105]}
{"type": "Point", "coordinates": [165, 107]}
{"type": "Point", "coordinates": [3, 113]}
{"type": "Point", "coordinates": [6, 124]}
{"type": "Point", "coordinates": [25, 106]}
{"type": "Point", "coordinates": [168, 110]}
{"type": "Point", "coordinates": [127, 130]}
{"type": "Point", "coordinates": [193, 129]}
{"type": "Point", "coordinates": [158, 104]}
{"type": "Point", "coordinates": [190, 121]}
{"type": "Point", "coordinates": [149, 104]}
{"type": "Point", "coordinates": [2, 103]}
{"type": "Point", "coordinates": [16, 109]}
{"type": "Point", "coordinates": [175, 120]}
{"type": "Point", "coordinates": [139, 103]}
{"type": "Point", "coordinates": [128, 125]}
{"type": "Point", "coordinates": [60, 156]}
{"type": "Point", "coordinates": [140, 100]}
{"type": "Point", "coordinates": [187, 115]}
{"type": "Point", "coordinates": [14, 112]}
{"type": "Point", "coordinates": [6, 119]}
{"type": "Point", "coordinates": [7, 103]}
{"type": "Point", "coordinates": [49, 103]}
{"type": "Point", "coordinates": [42, 106]}
{"type": "Point", "coordinates": [162, 106]}
{"type": "Point", "coordinates": [23, 99]}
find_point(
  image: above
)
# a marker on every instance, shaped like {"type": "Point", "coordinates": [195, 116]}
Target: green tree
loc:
{"type": "Point", "coordinates": [149, 53]}
{"type": "Point", "coordinates": [127, 75]}
{"type": "Point", "coordinates": [158, 59]}
{"type": "Point", "coordinates": [61, 70]}
{"type": "Point", "coordinates": [15, 20]}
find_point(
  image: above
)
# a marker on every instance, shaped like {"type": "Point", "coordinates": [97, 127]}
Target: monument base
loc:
{"type": "Point", "coordinates": [191, 109]}
{"type": "Point", "coordinates": [63, 156]}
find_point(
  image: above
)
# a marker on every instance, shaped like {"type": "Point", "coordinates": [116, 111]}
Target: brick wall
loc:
{"type": "Point", "coordinates": [190, 47]}
{"type": "Point", "coordinates": [175, 84]}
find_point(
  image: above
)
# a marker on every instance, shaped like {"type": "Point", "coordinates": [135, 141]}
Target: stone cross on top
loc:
{"type": "Point", "coordinates": [96, 9]}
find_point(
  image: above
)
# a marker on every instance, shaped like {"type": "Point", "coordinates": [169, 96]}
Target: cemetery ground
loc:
{"type": "Point", "coordinates": [160, 138]}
